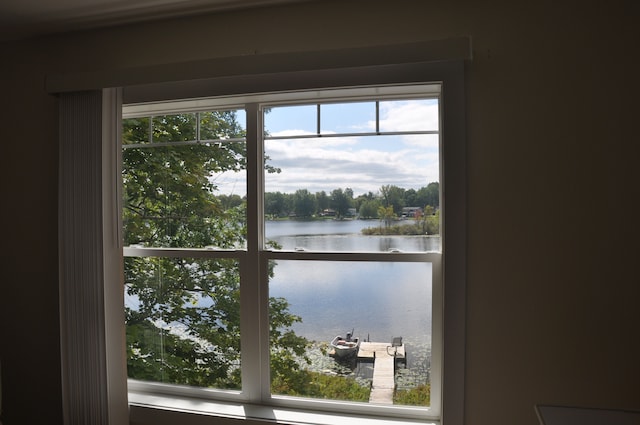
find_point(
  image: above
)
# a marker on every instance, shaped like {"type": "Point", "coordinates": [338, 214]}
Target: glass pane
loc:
{"type": "Point", "coordinates": [367, 193]}
{"type": "Point", "coordinates": [182, 321]}
{"type": "Point", "coordinates": [313, 302]}
{"type": "Point", "coordinates": [347, 118]}
{"type": "Point", "coordinates": [409, 115]}
{"type": "Point", "coordinates": [291, 120]}
{"type": "Point", "coordinates": [186, 196]}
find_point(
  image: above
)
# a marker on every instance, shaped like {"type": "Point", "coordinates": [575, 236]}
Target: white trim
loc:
{"type": "Point", "coordinates": [160, 410]}
{"type": "Point", "coordinates": [115, 334]}
{"type": "Point", "coordinates": [254, 312]}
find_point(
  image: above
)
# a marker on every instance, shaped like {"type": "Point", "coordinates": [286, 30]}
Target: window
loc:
{"type": "Point", "coordinates": [91, 275]}
{"type": "Point", "coordinates": [285, 249]}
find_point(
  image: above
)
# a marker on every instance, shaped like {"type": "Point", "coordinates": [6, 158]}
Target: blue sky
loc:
{"type": "Point", "coordinates": [363, 163]}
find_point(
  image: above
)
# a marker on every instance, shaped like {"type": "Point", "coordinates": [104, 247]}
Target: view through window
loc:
{"type": "Point", "coordinates": [346, 215]}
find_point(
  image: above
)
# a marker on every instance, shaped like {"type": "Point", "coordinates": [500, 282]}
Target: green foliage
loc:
{"type": "Point", "coordinates": [276, 204]}
{"type": "Point", "coordinates": [429, 195]}
{"type": "Point", "coordinates": [202, 298]}
{"type": "Point", "coordinates": [425, 225]}
{"type": "Point", "coordinates": [386, 214]}
{"type": "Point", "coordinates": [431, 223]}
{"type": "Point", "coordinates": [156, 355]}
{"type": "Point", "coordinates": [369, 208]}
{"type": "Point", "coordinates": [169, 196]}
{"type": "Point", "coordinates": [318, 385]}
{"type": "Point", "coordinates": [419, 396]}
{"type": "Point", "coordinates": [393, 196]}
{"type": "Point", "coordinates": [304, 203]}
{"type": "Point", "coordinates": [341, 201]}
{"type": "Point", "coordinates": [322, 200]}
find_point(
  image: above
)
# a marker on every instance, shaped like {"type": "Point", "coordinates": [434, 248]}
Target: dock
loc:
{"type": "Point", "coordinates": [384, 356]}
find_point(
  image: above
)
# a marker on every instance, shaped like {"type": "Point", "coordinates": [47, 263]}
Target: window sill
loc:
{"type": "Point", "coordinates": [158, 409]}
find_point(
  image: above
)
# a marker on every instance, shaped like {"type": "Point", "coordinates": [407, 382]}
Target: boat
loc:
{"type": "Point", "coordinates": [345, 347]}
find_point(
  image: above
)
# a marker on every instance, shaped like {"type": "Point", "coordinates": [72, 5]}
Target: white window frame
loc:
{"type": "Point", "coordinates": [437, 60]}
{"type": "Point", "coordinates": [254, 280]}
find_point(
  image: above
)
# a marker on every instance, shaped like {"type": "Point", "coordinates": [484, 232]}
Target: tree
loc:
{"type": "Point", "coordinates": [183, 321]}
{"type": "Point", "coordinates": [276, 204]}
{"type": "Point", "coordinates": [304, 203]}
{"type": "Point", "coordinates": [386, 214]}
{"type": "Point", "coordinates": [230, 201]}
{"type": "Point", "coordinates": [369, 209]}
{"type": "Point", "coordinates": [410, 198]}
{"type": "Point", "coordinates": [393, 196]}
{"type": "Point", "coordinates": [429, 195]}
{"type": "Point", "coordinates": [361, 199]}
{"type": "Point", "coordinates": [322, 200]}
{"type": "Point", "coordinates": [341, 201]}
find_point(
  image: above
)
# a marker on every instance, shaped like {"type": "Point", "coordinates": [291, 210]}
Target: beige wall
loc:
{"type": "Point", "coordinates": [552, 149]}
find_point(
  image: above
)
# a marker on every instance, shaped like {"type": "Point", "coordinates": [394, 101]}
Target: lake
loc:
{"type": "Point", "coordinates": [378, 300]}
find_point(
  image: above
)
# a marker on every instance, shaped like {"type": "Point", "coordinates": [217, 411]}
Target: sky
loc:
{"type": "Point", "coordinates": [362, 163]}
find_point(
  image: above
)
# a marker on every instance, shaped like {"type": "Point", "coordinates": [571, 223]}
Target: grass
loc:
{"type": "Point", "coordinates": [419, 396]}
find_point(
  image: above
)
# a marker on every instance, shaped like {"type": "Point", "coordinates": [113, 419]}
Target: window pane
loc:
{"type": "Point", "coordinates": [356, 188]}
{"type": "Point", "coordinates": [189, 195]}
{"type": "Point", "coordinates": [291, 120]}
{"type": "Point", "coordinates": [358, 117]}
{"type": "Point", "coordinates": [409, 115]}
{"type": "Point", "coordinates": [376, 302]}
{"type": "Point", "coordinates": [182, 320]}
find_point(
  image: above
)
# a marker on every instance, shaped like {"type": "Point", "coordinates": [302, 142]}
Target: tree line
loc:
{"type": "Point", "coordinates": [342, 203]}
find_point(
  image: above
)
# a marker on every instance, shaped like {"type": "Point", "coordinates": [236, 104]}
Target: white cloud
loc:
{"type": "Point", "coordinates": [314, 165]}
{"type": "Point", "coordinates": [408, 116]}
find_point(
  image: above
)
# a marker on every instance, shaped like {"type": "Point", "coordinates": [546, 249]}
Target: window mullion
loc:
{"type": "Point", "coordinates": [255, 179]}
{"type": "Point", "coordinates": [253, 293]}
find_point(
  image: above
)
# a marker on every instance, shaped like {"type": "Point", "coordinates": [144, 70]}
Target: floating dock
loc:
{"type": "Point", "coordinates": [384, 356]}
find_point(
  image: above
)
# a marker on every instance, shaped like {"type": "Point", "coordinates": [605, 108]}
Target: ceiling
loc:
{"type": "Point", "coordinates": [21, 19]}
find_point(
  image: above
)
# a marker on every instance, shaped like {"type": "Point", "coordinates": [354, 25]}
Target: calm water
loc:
{"type": "Point", "coordinates": [378, 300]}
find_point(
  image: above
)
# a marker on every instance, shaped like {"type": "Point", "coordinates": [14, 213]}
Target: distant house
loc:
{"type": "Point", "coordinates": [328, 212]}
{"type": "Point", "coordinates": [408, 212]}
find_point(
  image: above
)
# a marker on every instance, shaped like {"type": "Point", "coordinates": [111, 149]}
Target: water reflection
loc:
{"type": "Point", "coordinates": [335, 235]}
{"type": "Point", "coordinates": [379, 300]}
